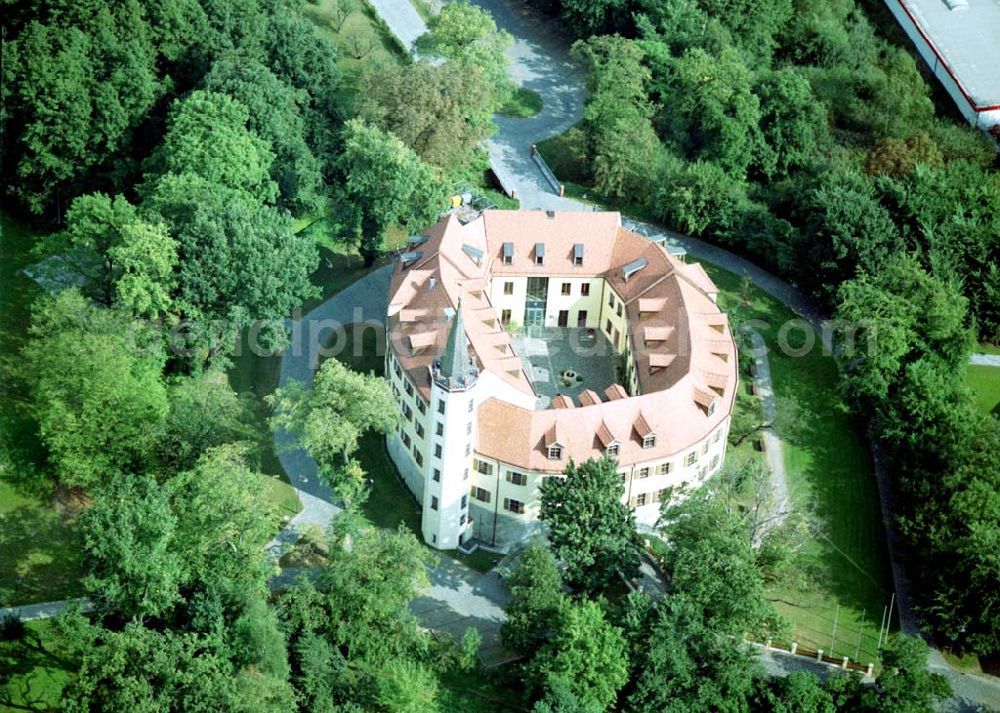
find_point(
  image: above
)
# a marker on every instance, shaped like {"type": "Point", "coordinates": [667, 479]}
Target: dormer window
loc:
{"type": "Point", "coordinates": [649, 441]}
{"type": "Point", "coordinates": [612, 450]}
{"type": "Point", "coordinates": [711, 406]}
{"type": "Point", "coordinates": [578, 254]}
{"type": "Point", "coordinates": [555, 452]}
{"type": "Point", "coordinates": [539, 253]}
{"type": "Point", "coordinates": [508, 253]}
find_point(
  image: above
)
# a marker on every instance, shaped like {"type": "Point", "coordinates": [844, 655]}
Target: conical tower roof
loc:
{"type": "Point", "coordinates": [455, 360]}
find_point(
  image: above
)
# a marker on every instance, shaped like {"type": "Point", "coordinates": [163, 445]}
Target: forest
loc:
{"type": "Point", "coordinates": [166, 151]}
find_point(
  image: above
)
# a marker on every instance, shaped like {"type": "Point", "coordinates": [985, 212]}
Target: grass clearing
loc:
{"type": "Point", "coordinates": [41, 550]}
{"type": "Point", "coordinates": [523, 105]}
{"type": "Point", "coordinates": [844, 572]}
{"type": "Point", "coordinates": [34, 670]}
{"type": "Point", "coordinates": [362, 41]}
{"type": "Point", "coordinates": [985, 384]}
{"type": "Point", "coordinates": [567, 156]}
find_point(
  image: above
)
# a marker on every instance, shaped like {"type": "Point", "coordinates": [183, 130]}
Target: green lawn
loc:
{"type": "Point", "coordinates": [36, 667]}
{"type": "Point", "coordinates": [985, 384]}
{"type": "Point", "coordinates": [524, 104]}
{"type": "Point", "coordinates": [363, 41]}
{"type": "Point", "coordinates": [566, 154]}
{"type": "Point", "coordinates": [40, 548]}
{"type": "Point", "coordinates": [986, 348]}
{"type": "Point", "coordinates": [830, 474]}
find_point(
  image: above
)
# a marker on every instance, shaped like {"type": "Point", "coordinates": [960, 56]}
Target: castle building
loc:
{"type": "Point", "coordinates": [520, 340]}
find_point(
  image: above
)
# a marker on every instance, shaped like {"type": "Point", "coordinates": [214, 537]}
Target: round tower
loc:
{"type": "Point", "coordinates": [454, 377]}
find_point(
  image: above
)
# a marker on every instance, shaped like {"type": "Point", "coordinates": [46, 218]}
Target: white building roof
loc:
{"type": "Point", "coordinates": [966, 40]}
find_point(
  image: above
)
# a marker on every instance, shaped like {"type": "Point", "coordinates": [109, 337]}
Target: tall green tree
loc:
{"type": "Point", "coordinates": [709, 105]}
{"type": "Point", "coordinates": [535, 598]}
{"type": "Point", "coordinates": [586, 658]}
{"type": "Point", "coordinates": [617, 82]}
{"type": "Point", "coordinates": [687, 665]}
{"type": "Point", "coordinates": [904, 685]}
{"type": "Point", "coordinates": [441, 111]}
{"type": "Point", "coordinates": [239, 260]}
{"type": "Point", "coordinates": [204, 413]}
{"type": "Point", "coordinates": [138, 668]}
{"type": "Point", "coordinates": [331, 418]}
{"type": "Point", "coordinates": [903, 311]}
{"type": "Point", "coordinates": [276, 113]}
{"type": "Point", "coordinates": [848, 229]}
{"type": "Point", "coordinates": [710, 560]}
{"type": "Point", "coordinates": [129, 539]}
{"type": "Point", "coordinates": [468, 35]}
{"type": "Point", "coordinates": [590, 529]}
{"type": "Point", "coordinates": [587, 18]}
{"type": "Point", "coordinates": [125, 260]}
{"type": "Point", "coordinates": [384, 181]}
{"type": "Point", "coordinates": [754, 24]}
{"type": "Point", "coordinates": [97, 388]}
{"type": "Point", "coordinates": [368, 585]}
{"type": "Point", "coordinates": [154, 548]}
{"type": "Point", "coordinates": [208, 137]}
{"type": "Point", "coordinates": [792, 122]}
{"type": "Point", "coordinates": [77, 83]}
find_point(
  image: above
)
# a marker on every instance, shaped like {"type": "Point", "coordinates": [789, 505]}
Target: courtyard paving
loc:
{"type": "Point", "coordinates": [561, 360]}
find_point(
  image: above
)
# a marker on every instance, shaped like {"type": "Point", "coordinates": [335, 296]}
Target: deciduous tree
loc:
{"type": "Point", "coordinates": [330, 418]}
{"type": "Point", "coordinates": [535, 597]}
{"type": "Point", "coordinates": [97, 388]}
{"type": "Point", "coordinates": [590, 529]}
{"type": "Point", "coordinates": [585, 659]}
{"type": "Point", "coordinates": [383, 178]}
{"type": "Point", "coordinates": [468, 35]}
{"type": "Point", "coordinates": [124, 259]}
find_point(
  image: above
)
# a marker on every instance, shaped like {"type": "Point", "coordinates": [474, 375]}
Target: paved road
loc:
{"type": "Point", "coordinates": [539, 60]}
{"type": "Point", "coordinates": [46, 610]}
{"type": "Point", "coordinates": [985, 359]}
{"type": "Point", "coordinates": [764, 390]}
{"type": "Point", "coordinates": [363, 301]}
{"type": "Point", "coordinates": [402, 20]}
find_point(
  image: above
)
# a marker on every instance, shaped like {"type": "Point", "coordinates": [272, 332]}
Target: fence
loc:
{"type": "Point", "coordinates": [818, 655]}
{"type": "Point", "coordinates": [547, 172]}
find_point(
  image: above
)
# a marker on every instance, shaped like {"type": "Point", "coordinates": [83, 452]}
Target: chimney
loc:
{"type": "Point", "coordinates": [431, 282]}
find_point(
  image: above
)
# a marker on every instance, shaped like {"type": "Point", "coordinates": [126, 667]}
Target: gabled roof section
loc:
{"type": "Point", "coordinates": [655, 334]}
{"type": "Point", "coordinates": [616, 391]}
{"type": "Point", "coordinates": [605, 435]}
{"type": "Point", "coordinates": [422, 340]}
{"type": "Point", "coordinates": [476, 254]}
{"type": "Point", "coordinates": [560, 234]}
{"type": "Point", "coordinates": [563, 401]}
{"type": "Point", "coordinates": [642, 426]}
{"type": "Point", "coordinates": [651, 305]}
{"type": "Point", "coordinates": [633, 267]}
